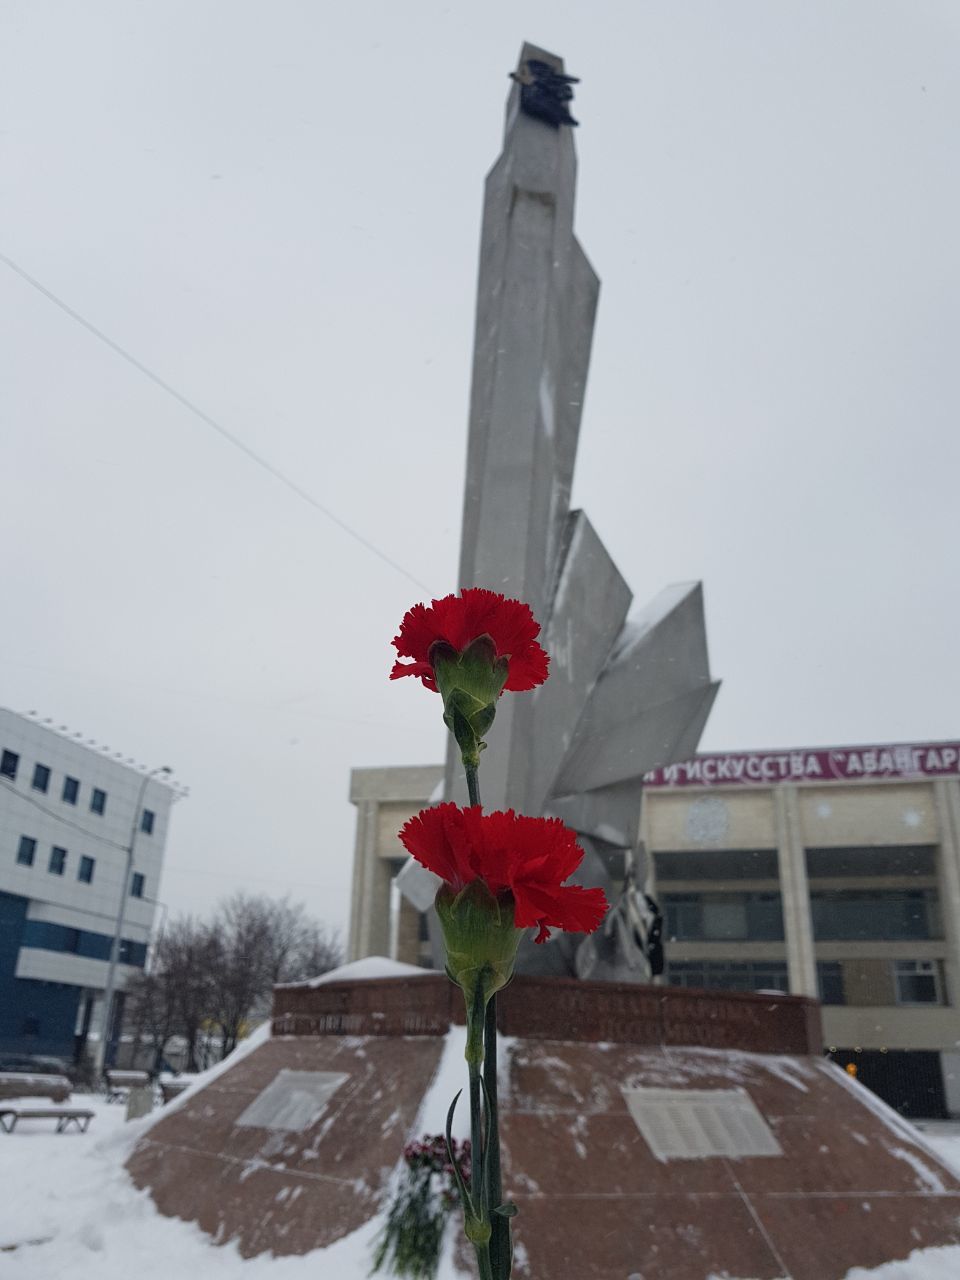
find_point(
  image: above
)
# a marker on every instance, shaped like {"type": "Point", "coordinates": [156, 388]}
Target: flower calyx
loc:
{"type": "Point", "coordinates": [481, 943]}
{"type": "Point", "coordinates": [470, 682]}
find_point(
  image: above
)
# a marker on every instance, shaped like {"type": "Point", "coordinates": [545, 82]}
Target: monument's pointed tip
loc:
{"type": "Point", "coordinates": [528, 51]}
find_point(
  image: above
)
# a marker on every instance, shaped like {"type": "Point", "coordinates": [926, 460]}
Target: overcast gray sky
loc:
{"type": "Point", "coordinates": [275, 206]}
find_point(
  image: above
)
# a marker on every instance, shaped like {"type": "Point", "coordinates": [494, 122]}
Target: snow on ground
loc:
{"type": "Point", "coordinates": [68, 1210]}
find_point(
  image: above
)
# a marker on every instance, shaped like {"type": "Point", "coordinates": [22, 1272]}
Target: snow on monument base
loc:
{"type": "Point", "coordinates": [648, 1132]}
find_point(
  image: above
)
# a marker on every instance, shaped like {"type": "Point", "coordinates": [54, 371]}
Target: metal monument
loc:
{"type": "Point", "coordinates": [627, 693]}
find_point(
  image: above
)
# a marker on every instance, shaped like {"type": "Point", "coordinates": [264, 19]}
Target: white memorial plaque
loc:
{"type": "Point", "coordinates": [695, 1124]}
{"type": "Point", "coordinates": [293, 1101]}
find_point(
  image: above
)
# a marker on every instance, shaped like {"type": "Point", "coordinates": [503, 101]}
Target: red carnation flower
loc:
{"type": "Point", "coordinates": [528, 858]}
{"type": "Point", "coordinates": [459, 620]}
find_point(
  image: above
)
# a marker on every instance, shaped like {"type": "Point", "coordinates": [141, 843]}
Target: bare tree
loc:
{"type": "Point", "coordinates": [300, 947]}
{"type": "Point", "coordinates": [189, 947]}
{"type": "Point", "coordinates": [259, 942]}
{"type": "Point", "coordinates": [152, 1001]}
{"type": "Point", "coordinates": [239, 964]}
{"type": "Point", "coordinates": [221, 973]}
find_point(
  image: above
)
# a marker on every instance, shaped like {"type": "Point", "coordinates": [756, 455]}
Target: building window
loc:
{"type": "Point", "coordinates": [917, 981]}
{"type": "Point", "coordinates": [98, 800]}
{"type": "Point", "coordinates": [876, 860]}
{"type": "Point", "coordinates": [136, 885]}
{"type": "Point", "coordinates": [71, 789]}
{"type": "Point", "coordinates": [830, 982]}
{"type": "Point", "coordinates": [8, 765]}
{"type": "Point", "coordinates": [41, 777]}
{"type": "Point", "coordinates": [71, 941]}
{"type": "Point", "coordinates": [147, 819]}
{"type": "Point", "coordinates": [721, 975]}
{"type": "Point", "coordinates": [85, 871]}
{"type": "Point", "coordinates": [58, 860]}
{"type": "Point", "coordinates": [880, 915]}
{"type": "Point", "coordinates": [724, 917]}
{"type": "Point", "coordinates": [30, 1025]}
{"type": "Point", "coordinates": [26, 850]}
{"type": "Point", "coordinates": [717, 865]}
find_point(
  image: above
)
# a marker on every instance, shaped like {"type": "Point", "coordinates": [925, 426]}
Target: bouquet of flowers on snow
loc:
{"type": "Point", "coordinates": [502, 873]}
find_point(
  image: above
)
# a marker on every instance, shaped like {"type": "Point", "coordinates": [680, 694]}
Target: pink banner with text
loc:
{"type": "Point", "coordinates": [813, 764]}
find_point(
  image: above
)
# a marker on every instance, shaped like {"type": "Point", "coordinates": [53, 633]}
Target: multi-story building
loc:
{"type": "Point", "coordinates": [829, 873]}
{"type": "Point", "coordinates": [67, 821]}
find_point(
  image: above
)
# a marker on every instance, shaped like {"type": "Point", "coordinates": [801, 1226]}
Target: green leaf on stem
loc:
{"type": "Point", "coordinates": [465, 1199]}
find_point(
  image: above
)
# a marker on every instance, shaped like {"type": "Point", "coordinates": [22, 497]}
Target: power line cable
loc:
{"type": "Point", "coordinates": [209, 421]}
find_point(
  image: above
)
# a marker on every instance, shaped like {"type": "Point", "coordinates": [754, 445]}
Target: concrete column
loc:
{"type": "Point", "coordinates": [408, 933]}
{"type": "Point", "coordinates": [370, 914]}
{"type": "Point", "coordinates": [795, 893]}
{"type": "Point", "coordinates": [947, 799]}
{"type": "Point", "coordinates": [366, 829]}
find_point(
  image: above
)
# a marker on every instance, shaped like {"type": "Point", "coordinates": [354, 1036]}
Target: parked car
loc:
{"type": "Point", "coordinates": [34, 1064]}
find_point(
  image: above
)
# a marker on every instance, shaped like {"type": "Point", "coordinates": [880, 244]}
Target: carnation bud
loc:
{"type": "Point", "coordinates": [481, 943]}
{"type": "Point", "coordinates": [470, 683]}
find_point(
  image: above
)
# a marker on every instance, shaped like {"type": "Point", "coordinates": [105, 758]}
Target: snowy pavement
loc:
{"type": "Point", "coordinates": [68, 1211]}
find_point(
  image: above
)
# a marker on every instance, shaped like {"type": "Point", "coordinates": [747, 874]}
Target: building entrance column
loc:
{"type": "Point", "coordinates": [947, 799]}
{"type": "Point", "coordinates": [795, 893]}
{"type": "Point", "coordinates": [372, 874]}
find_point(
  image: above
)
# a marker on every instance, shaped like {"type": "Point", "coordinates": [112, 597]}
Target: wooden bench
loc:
{"type": "Point", "coordinates": [118, 1082]}
{"type": "Point", "coordinates": [64, 1116]}
{"type": "Point", "coordinates": [28, 1084]}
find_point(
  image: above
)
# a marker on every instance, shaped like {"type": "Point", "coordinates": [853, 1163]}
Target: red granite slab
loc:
{"type": "Point", "coordinates": [855, 1184]}
{"type": "Point", "coordinates": [289, 1191]}
{"type": "Point", "coordinates": [653, 1237]}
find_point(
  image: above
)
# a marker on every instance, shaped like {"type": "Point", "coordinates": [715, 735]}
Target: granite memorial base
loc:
{"type": "Point", "coordinates": [649, 1133]}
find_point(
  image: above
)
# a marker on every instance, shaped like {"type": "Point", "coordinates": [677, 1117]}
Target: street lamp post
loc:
{"type": "Point", "coordinates": [101, 1059]}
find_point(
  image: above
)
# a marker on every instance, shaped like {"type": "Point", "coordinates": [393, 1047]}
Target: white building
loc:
{"type": "Point", "coordinates": [67, 813]}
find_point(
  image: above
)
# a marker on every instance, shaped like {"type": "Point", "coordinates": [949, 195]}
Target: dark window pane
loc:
{"type": "Point", "coordinates": [147, 820]}
{"type": "Point", "coordinates": [26, 850]}
{"type": "Point", "coordinates": [718, 864]}
{"type": "Point", "coordinates": [30, 1025]}
{"type": "Point", "coordinates": [720, 975]}
{"type": "Point", "coordinates": [71, 789]}
{"type": "Point", "coordinates": [85, 872]}
{"type": "Point", "coordinates": [917, 988]}
{"type": "Point", "coordinates": [58, 860]}
{"type": "Point", "coordinates": [98, 800]}
{"type": "Point", "coordinates": [917, 981]}
{"type": "Point", "coordinates": [136, 885]}
{"type": "Point", "coordinates": [881, 914]}
{"type": "Point", "coordinates": [879, 860]}
{"type": "Point", "coordinates": [41, 777]}
{"type": "Point", "coordinates": [720, 917]}
{"type": "Point", "coordinates": [830, 982]}
{"type": "Point", "coordinates": [8, 764]}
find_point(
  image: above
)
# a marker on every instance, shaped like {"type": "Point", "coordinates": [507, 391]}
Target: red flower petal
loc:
{"type": "Point", "coordinates": [567, 906]}
{"type": "Point", "coordinates": [431, 837]}
{"type": "Point", "coordinates": [460, 619]}
{"type": "Point", "coordinates": [526, 857]}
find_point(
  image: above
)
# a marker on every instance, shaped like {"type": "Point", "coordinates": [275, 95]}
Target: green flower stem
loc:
{"type": "Point", "coordinates": [472, 772]}
{"type": "Point", "coordinates": [501, 1248]}
{"type": "Point", "coordinates": [478, 1228]}
{"type": "Point", "coordinates": [494, 1257]}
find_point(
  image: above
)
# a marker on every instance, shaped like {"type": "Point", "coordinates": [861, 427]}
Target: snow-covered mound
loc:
{"type": "Point", "coordinates": [364, 970]}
